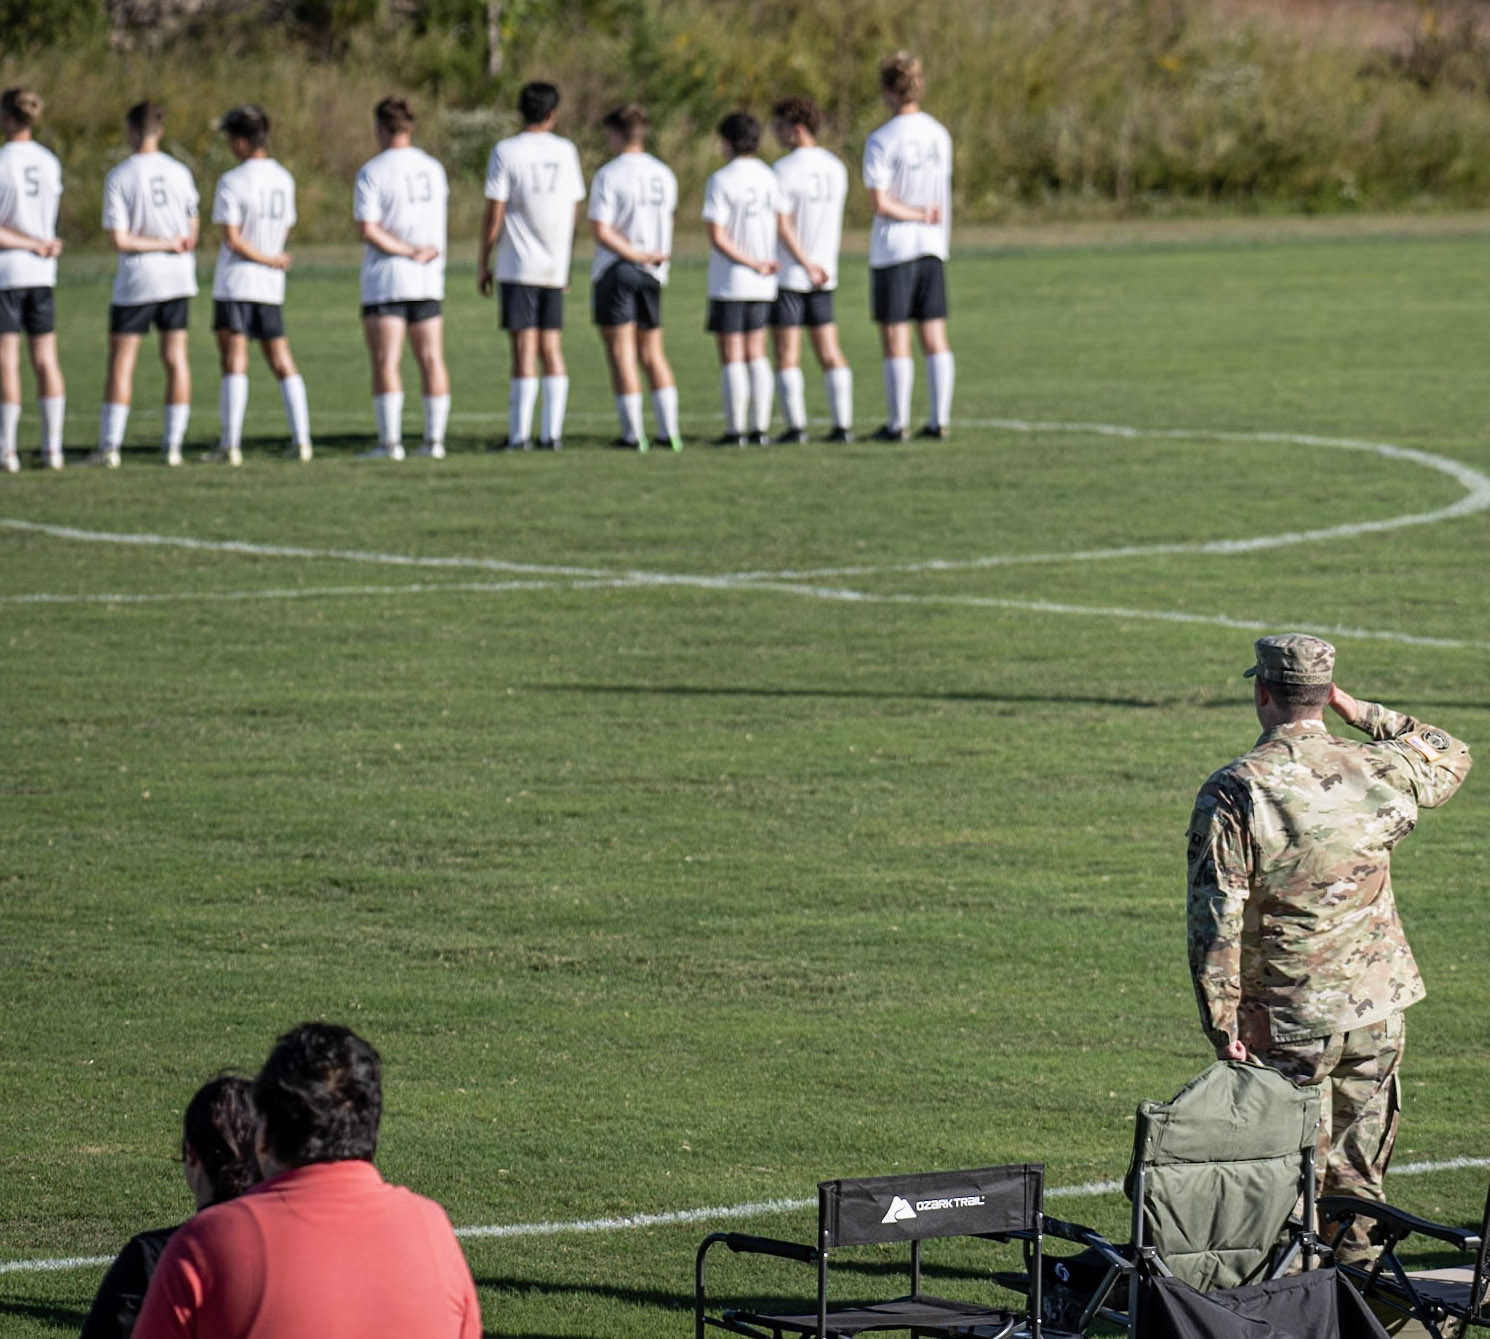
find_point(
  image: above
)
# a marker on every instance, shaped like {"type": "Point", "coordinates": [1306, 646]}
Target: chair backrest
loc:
{"type": "Point", "coordinates": [924, 1205]}
{"type": "Point", "coordinates": [1481, 1283]}
{"type": "Point", "coordinates": [1218, 1170]}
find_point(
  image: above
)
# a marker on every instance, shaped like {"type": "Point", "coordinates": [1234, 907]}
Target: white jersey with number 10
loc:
{"type": "Point", "coordinates": [258, 198]}
{"type": "Point", "coordinates": [404, 191]}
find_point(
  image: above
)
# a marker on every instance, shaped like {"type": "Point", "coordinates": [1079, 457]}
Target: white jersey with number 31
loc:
{"type": "Point", "coordinates": [258, 198]}
{"type": "Point", "coordinates": [151, 195]}
{"type": "Point", "coordinates": [405, 191]}
{"type": "Point", "coordinates": [815, 184]}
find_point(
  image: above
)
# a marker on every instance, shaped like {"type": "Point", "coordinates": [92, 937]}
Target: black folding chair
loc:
{"type": "Point", "coordinates": [1317, 1305]}
{"type": "Point", "coordinates": [1443, 1306]}
{"type": "Point", "coordinates": [989, 1202]}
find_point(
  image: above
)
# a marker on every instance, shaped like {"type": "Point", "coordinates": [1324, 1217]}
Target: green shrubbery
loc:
{"type": "Point", "coordinates": [1077, 106]}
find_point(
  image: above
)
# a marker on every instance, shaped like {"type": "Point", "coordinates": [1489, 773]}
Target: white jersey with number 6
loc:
{"type": "Point", "coordinates": [30, 190]}
{"type": "Point", "coordinates": [910, 156]}
{"type": "Point", "coordinates": [636, 194]}
{"type": "Point", "coordinates": [744, 199]}
{"type": "Point", "coordinates": [406, 192]}
{"type": "Point", "coordinates": [151, 195]}
{"type": "Point", "coordinates": [258, 198]}
{"type": "Point", "coordinates": [537, 175]}
{"type": "Point", "coordinates": [815, 184]}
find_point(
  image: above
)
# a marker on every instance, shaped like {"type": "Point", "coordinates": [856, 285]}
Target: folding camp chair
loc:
{"type": "Point", "coordinates": [1317, 1305]}
{"type": "Point", "coordinates": [990, 1202]}
{"type": "Point", "coordinates": [1443, 1302]}
{"type": "Point", "coordinates": [1216, 1177]}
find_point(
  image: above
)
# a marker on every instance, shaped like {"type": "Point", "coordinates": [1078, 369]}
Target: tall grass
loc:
{"type": "Point", "coordinates": [1072, 107]}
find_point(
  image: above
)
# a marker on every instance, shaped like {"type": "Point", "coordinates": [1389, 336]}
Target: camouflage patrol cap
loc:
{"type": "Point", "coordinates": [1293, 657]}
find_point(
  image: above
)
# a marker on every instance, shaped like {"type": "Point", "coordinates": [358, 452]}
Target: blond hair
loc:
{"type": "Point", "coordinates": [21, 106]}
{"type": "Point", "coordinates": [902, 75]}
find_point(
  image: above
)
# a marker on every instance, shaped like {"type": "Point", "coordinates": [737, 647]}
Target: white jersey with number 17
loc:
{"type": "Point", "coordinates": [151, 195]}
{"type": "Point", "coordinates": [258, 198]}
{"type": "Point", "coordinates": [30, 190]}
{"type": "Point", "coordinates": [406, 192]}
{"type": "Point", "coordinates": [536, 175]}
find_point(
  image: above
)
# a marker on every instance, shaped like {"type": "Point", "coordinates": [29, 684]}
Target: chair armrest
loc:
{"type": "Point", "coordinates": [1091, 1239]}
{"type": "Point", "coordinates": [744, 1243]}
{"type": "Point", "coordinates": [1338, 1206]}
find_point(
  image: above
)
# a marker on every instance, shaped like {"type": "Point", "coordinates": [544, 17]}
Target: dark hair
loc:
{"type": "Point", "coordinates": [21, 106]}
{"type": "Point", "coordinates": [218, 1127]}
{"type": "Point", "coordinates": [537, 102]}
{"type": "Point", "coordinates": [320, 1096]}
{"type": "Point", "coordinates": [395, 115]}
{"type": "Point", "coordinates": [247, 122]}
{"type": "Point", "coordinates": [630, 122]}
{"type": "Point", "coordinates": [902, 74]}
{"type": "Point", "coordinates": [147, 119]}
{"type": "Point", "coordinates": [1292, 695]}
{"type": "Point", "coordinates": [799, 110]}
{"type": "Point", "coordinates": [741, 131]}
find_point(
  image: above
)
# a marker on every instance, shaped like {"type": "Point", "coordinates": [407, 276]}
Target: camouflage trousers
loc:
{"type": "Point", "coordinates": [1359, 1105]}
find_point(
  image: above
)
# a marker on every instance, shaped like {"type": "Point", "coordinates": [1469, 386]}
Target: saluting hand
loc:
{"type": "Point", "coordinates": [1343, 705]}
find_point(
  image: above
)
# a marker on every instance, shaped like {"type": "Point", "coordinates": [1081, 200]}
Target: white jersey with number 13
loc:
{"type": "Point", "coordinates": [404, 191]}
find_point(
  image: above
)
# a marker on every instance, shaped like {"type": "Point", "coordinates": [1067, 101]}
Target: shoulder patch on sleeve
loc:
{"type": "Point", "coordinates": [1426, 743]}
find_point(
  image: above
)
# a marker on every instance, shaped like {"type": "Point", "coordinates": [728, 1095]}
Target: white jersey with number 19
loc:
{"type": "Point", "coordinates": [258, 198]}
{"type": "Point", "coordinates": [406, 192]}
{"type": "Point", "coordinates": [151, 195]}
{"type": "Point", "coordinates": [30, 190]}
{"type": "Point", "coordinates": [637, 195]}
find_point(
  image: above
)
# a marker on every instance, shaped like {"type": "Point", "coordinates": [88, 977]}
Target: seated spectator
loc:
{"type": "Point", "coordinates": [217, 1157]}
{"type": "Point", "coordinates": [323, 1247]}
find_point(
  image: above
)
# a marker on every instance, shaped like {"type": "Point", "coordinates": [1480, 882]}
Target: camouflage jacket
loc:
{"type": "Point", "coordinates": [1293, 929]}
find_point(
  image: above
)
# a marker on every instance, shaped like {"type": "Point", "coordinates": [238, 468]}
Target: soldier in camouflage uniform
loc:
{"type": "Point", "coordinates": [1297, 953]}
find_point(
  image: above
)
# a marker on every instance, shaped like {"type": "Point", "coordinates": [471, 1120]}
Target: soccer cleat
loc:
{"type": "Point", "coordinates": [792, 437]}
{"type": "Point", "coordinates": [934, 432]}
{"type": "Point", "coordinates": [889, 434]}
{"type": "Point", "coordinates": [519, 444]}
{"type": "Point", "coordinates": [840, 435]}
{"type": "Point", "coordinates": [433, 450]}
{"type": "Point", "coordinates": [550, 444]}
{"type": "Point", "coordinates": [10, 463]}
{"type": "Point", "coordinates": [643, 444]}
{"type": "Point", "coordinates": [219, 455]}
{"type": "Point", "coordinates": [302, 453]}
{"type": "Point", "coordinates": [52, 460]}
{"type": "Point", "coordinates": [625, 444]}
{"type": "Point", "coordinates": [170, 455]}
{"type": "Point", "coordinates": [730, 439]}
{"type": "Point", "coordinates": [393, 451]}
{"type": "Point", "coordinates": [676, 443]}
{"type": "Point", "coordinates": [759, 439]}
{"type": "Point", "coordinates": [106, 457]}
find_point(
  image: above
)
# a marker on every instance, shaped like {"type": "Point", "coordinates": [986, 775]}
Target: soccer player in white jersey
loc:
{"type": "Point", "coordinates": [743, 207]}
{"type": "Point", "coordinates": [399, 203]}
{"type": "Point", "coordinates": [255, 206]}
{"type": "Point", "coordinates": [632, 201]}
{"type": "Point", "coordinates": [30, 190]}
{"type": "Point", "coordinates": [150, 216]}
{"type": "Point", "coordinates": [814, 182]}
{"type": "Point", "coordinates": [533, 189]}
{"type": "Point", "coordinates": [908, 170]}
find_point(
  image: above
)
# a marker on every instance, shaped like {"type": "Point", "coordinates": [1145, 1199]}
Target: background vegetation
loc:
{"type": "Point", "coordinates": [1073, 107]}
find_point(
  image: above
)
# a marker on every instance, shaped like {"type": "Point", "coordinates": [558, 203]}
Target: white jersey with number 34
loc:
{"type": "Point", "coordinates": [910, 156]}
{"type": "Point", "coordinates": [151, 195]}
{"type": "Point", "coordinates": [30, 190]}
{"type": "Point", "coordinates": [258, 198]}
{"type": "Point", "coordinates": [405, 191]}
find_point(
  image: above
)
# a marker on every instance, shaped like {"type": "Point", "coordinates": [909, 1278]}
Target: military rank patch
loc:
{"type": "Point", "coordinates": [1430, 743]}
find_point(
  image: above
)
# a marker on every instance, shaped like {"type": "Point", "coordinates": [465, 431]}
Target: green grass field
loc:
{"type": "Point", "coordinates": [663, 880]}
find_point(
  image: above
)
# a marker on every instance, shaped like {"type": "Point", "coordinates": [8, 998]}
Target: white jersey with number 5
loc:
{"type": "Point", "coordinates": [258, 198]}
{"type": "Point", "coordinates": [815, 184]}
{"type": "Point", "coordinates": [406, 192]}
{"type": "Point", "coordinates": [30, 190]}
{"type": "Point", "coordinates": [537, 175]}
{"type": "Point", "coordinates": [744, 198]}
{"type": "Point", "coordinates": [910, 156]}
{"type": "Point", "coordinates": [151, 195]}
{"type": "Point", "coordinates": [637, 195]}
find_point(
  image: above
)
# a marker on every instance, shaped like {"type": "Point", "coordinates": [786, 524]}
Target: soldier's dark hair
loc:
{"type": "Point", "coordinates": [320, 1096]}
{"type": "Point", "coordinates": [218, 1126]}
{"type": "Point", "coordinates": [741, 131]}
{"type": "Point", "coordinates": [21, 107]}
{"type": "Point", "coordinates": [631, 122]}
{"type": "Point", "coordinates": [395, 115]}
{"type": "Point", "coordinates": [247, 123]}
{"type": "Point", "coordinates": [147, 119]}
{"type": "Point", "coordinates": [536, 102]}
{"type": "Point", "coordinates": [800, 110]}
{"type": "Point", "coordinates": [1293, 695]}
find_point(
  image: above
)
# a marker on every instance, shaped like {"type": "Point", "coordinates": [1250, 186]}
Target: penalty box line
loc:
{"type": "Point", "coordinates": [723, 1213]}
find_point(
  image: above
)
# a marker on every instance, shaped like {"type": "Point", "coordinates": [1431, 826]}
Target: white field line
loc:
{"type": "Point", "coordinates": [725, 1213]}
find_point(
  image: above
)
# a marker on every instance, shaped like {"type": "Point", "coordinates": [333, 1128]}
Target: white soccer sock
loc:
{"type": "Point", "coordinates": [388, 409]}
{"type": "Point", "coordinates": [177, 416]}
{"type": "Point", "coordinates": [734, 390]}
{"type": "Point", "coordinates": [762, 393]}
{"type": "Point", "coordinates": [793, 388]}
{"type": "Point", "coordinates": [665, 410]}
{"type": "Point", "coordinates": [900, 380]}
{"type": "Point", "coordinates": [839, 382]}
{"type": "Point", "coordinates": [522, 399]}
{"type": "Point", "coordinates": [941, 372]}
{"type": "Point", "coordinates": [629, 413]}
{"type": "Point", "coordinates": [436, 416]}
{"type": "Point", "coordinates": [555, 399]}
{"type": "Point", "coordinates": [112, 420]}
{"type": "Point", "coordinates": [232, 405]}
{"type": "Point", "coordinates": [297, 408]}
{"type": "Point", "coordinates": [53, 416]}
{"type": "Point", "coordinates": [10, 420]}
